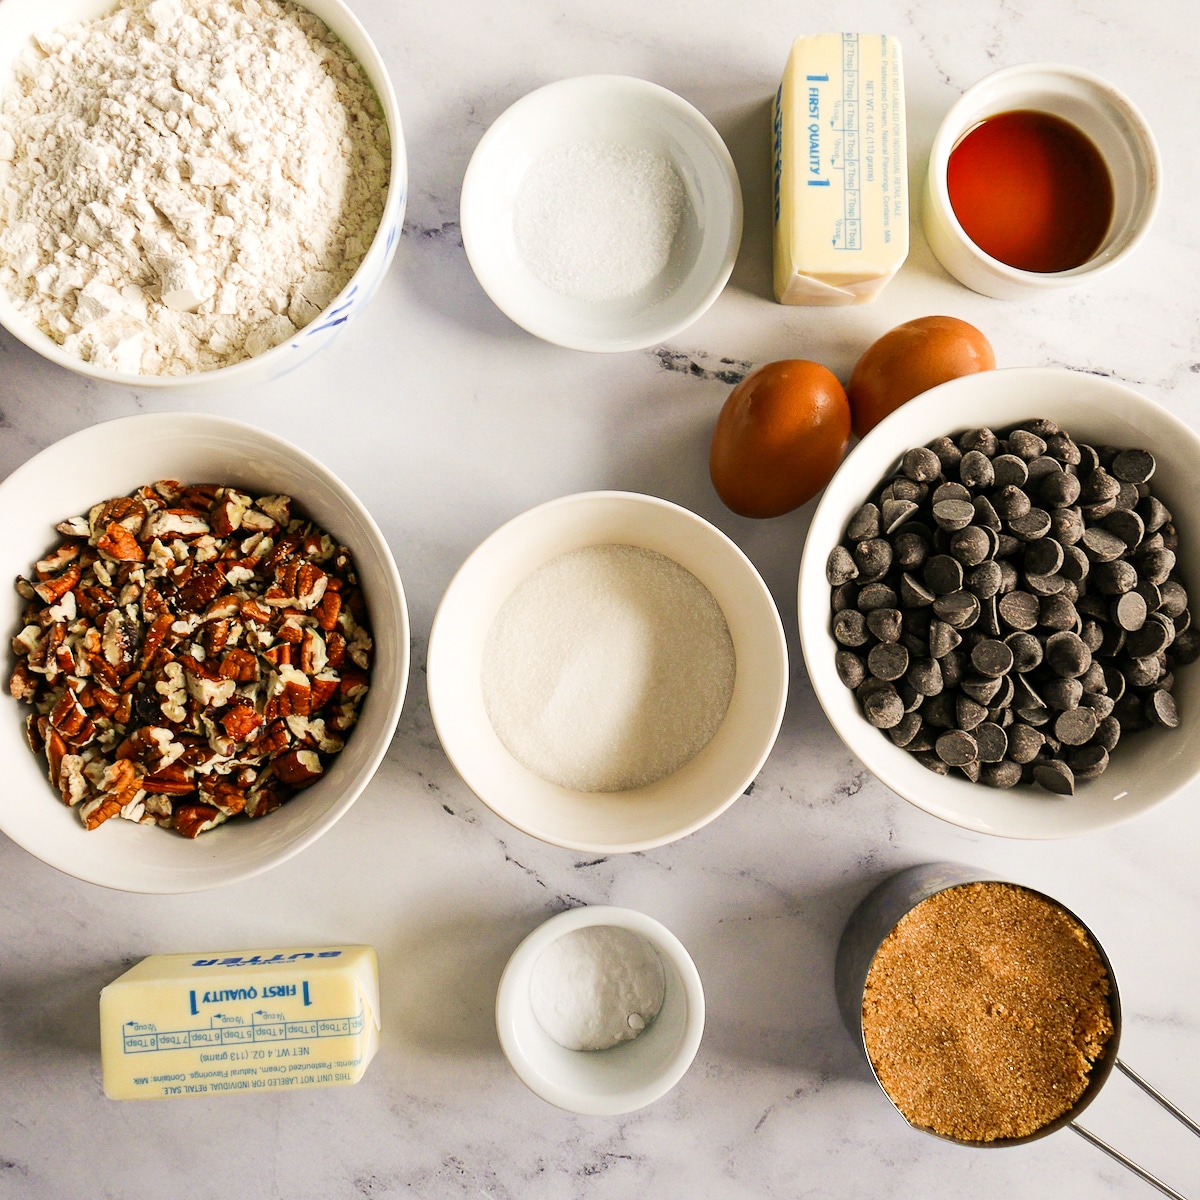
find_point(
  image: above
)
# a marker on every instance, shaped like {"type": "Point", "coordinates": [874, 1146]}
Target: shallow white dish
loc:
{"type": "Point", "coordinates": [607, 822]}
{"type": "Point", "coordinates": [602, 1082]}
{"type": "Point", "coordinates": [629, 112]}
{"type": "Point", "coordinates": [1112, 123]}
{"type": "Point", "coordinates": [1148, 767]}
{"type": "Point", "coordinates": [21, 19]}
{"type": "Point", "coordinates": [112, 459]}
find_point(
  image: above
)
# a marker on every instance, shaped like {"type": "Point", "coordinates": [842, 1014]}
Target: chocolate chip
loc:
{"type": "Point", "coordinates": [984, 581]}
{"type": "Point", "coordinates": [1004, 774]}
{"type": "Point", "coordinates": [1024, 742]}
{"type": "Point", "coordinates": [1161, 709]}
{"type": "Point", "coordinates": [972, 545]}
{"type": "Point", "coordinates": [1156, 566]}
{"type": "Point", "coordinates": [1076, 726]}
{"type": "Point", "coordinates": [850, 627]}
{"type": "Point", "coordinates": [925, 676]}
{"type": "Point", "coordinates": [1108, 733]}
{"type": "Point", "coordinates": [953, 514]}
{"type": "Point", "coordinates": [942, 639]}
{"type": "Point", "coordinates": [1128, 526]}
{"type": "Point", "coordinates": [894, 513]}
{"type": "Point", "coordinates": [983, 440]}
{"type": "Point", "coordinates": [864, 524]}
{"type": "Point", "coordinates": [1114, 578]}
{"type": "Point", "coordinates": [949, 455]}
{"type": "Point", "coordinates": [1010, 502]}
{"type": "Point", "coordinates": [850, 668]}
{"type": "Point", "coordinates": [1154, 513]}
{"type": "Point", "coordinates": [992, 742]}
{"type": "Point", "coordinates": [1066, 524]}
{"type": "Point", "coordinates": [1043, 557]}
{"type": "Point", "coordinates": [1045, 585]}
{"type": "Point", "coordinates": [1099, 486]}
{"type": "Point", "coordinates": [1152, 638]}
{"type": "Point", "coordinates": [960, 609]}
{"type": "Point", "coordinates": [1019, 610]}
{"type": "Point", "coordinates": [1061, 693]}
{"type": "Point", "coordinates": [992, 658]}
{"type": "Point", "coordinates": [1100, 545]}
{"type": "Point", "coordinates": [921, 464]}
{"type": "Point", "coordinates": [876, 595]}
{"type": "Point", "coordinates": [976, 470]}
{"type": "Point", "coordinates": [885, 623]}
{"type": "Point", "coordinates": [1060, 446]}
{"type": "Point", "coordinates": [1088, 762]}
{"type": "Point", "coordinates": [883, 708]}
{"type": "Point", "coordinates": [1055, 776]}
{"type": "Point", "coordinates": [986, 516]}
{"type": "Point", "coordinates": [1134, 466]}
{"type": "Point", "coordinates": [906, 729]}
{"type": "Point", "coordinates": [957, 748]}
{"type": "Point", "coordinates": [983, 689]}
{"type": "Point", "coordinates": [1055, 612]}
{"type": "Point", "coordinates": [1057, 489]}
{"type": "Point", "coordinates": [1067, 655]}
{"type": "Point", "coordinates": [1030, 526]}
{"type": "Point", "coordinates": [1007, 470]}
{"type": "Point", "coordinates": [888, 661]}
{"type": "Point", "coordinates": [841, 567]}
{"type": "Point", "coordinates": [1026, 651]}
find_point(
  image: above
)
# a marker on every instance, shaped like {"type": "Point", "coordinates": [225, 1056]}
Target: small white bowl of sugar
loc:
{"type": "Point", "coordinates": [607, 672]}
{"type": "Point", "coordinates": [600, 1010]}
{"type": "Point", "coordinates": [602, 213]}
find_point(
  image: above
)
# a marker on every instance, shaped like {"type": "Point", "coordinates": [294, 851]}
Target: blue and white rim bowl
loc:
{"type": "Point", "coordinates": [20, 19]}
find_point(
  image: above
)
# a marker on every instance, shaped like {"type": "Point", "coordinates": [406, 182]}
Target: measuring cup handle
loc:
{"type": "Point", "coordinates": [1112, 1152]}
{"type": "Point", "coordinates": [1177, 1113]}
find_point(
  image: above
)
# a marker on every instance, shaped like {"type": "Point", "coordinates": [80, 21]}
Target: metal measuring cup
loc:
{"type": "Point", "coordinates": [877, 916]}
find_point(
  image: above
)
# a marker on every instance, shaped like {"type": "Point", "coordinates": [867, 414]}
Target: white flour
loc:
{"type": "Point", "coordinates": [186, 183]}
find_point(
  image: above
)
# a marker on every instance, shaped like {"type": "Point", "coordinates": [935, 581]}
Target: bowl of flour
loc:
{"type": "Point", "coordinates": [193, 195]}
{"type": "Point", "coordinates": [607, 672]}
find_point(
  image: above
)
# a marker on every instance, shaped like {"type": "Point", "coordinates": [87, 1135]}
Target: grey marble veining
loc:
{"type": "Point", "coordinates": [447, 420]}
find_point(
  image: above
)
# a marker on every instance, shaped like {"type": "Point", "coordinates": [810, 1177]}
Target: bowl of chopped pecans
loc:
{"type": "Point", "coordinates": [209, 641]}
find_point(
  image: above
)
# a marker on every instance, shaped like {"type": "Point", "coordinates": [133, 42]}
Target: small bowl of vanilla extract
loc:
{"type": "Point", "coordinates": [1041, 176]}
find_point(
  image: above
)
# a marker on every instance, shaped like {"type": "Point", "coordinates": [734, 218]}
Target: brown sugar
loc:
{"type": "Point", "coordinates": [984, 1011]}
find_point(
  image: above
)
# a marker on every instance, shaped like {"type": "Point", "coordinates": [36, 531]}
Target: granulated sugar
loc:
{"type": "Point", "coordinates": [186, 183]}
{"type": "Point", "coordinates": [608, 668]}
{"type": "Point", "coordinates": [596, 220]}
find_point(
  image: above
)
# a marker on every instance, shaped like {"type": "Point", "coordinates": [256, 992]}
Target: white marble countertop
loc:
{"type": "Point", "coordinates": [447, 420]}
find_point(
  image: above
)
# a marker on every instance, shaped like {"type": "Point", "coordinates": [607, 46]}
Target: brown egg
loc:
{"type": "Point", "coordinates": [779, 438]}
{"type": "Point", "coordinates": [909, 360]}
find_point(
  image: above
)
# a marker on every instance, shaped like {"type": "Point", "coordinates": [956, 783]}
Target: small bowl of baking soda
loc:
{"type": "Point", "coordinates": [602, 213]}
{"type": "Point", "coordinates": [600, 1010]}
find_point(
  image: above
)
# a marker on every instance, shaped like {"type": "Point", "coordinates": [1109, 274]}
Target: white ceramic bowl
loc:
{"type": "Point", "coordinates": [21, 19]}
{"type": "Point", "coordinates": [602, 1083]}
{"type": "Point", "coordinates": [607, 822]}
{"type": "Point", "coordinates": [1104, 114]}
{"type": "Point", "coordinates": [112, 459]}
{"type": "Point", "coordinates": [1146, 767]}
{"type": "Point", "coordinates": [606, 109]}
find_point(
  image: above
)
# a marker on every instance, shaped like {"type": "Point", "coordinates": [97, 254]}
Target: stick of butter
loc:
{"type": "Point", "coordinates": [195, 1024]}
{"type": "Point", "coordinates": [841, 169]}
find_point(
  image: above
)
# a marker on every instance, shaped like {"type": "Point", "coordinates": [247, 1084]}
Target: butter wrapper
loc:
{"type": "Point", "coordinates": [233, 1022]}
{"type": "Point", "coordinates": [841, 169]}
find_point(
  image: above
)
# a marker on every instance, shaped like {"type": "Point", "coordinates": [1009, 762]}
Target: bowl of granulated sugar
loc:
{"type": "Point", "coordinates": [224, 218]}
{"type": "Point", "coordinates": [602, 213]}
{"type": "Point", "coordinates": [607, 672]}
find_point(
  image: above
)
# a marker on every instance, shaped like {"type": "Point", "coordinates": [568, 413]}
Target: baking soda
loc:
{"type": "Point", "coordinates": [597, 220]}
{"type": "Point", "coordinates": [608, 668]}
{"type": "Point", "coordinates": [596, 987]}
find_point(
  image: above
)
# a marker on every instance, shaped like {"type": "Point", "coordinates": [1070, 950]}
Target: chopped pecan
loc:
{"type": "Point", "coordinates": [121, 510]}
{"type": "Point", "coordinates": [240, 722]}
{"type": "Point", "coordinates": [52, 590]}
{"type": "Point", "coordinates": [194, 819]}
{"type": "Point", "coordinates": [240, 665]}
{"type": "Point", "coordinates": [99, 809]}
{"type": "Point", "coordinates": [23, 684]}
{"type": "Point", "coordinates": [118, 543]}
{"type": "Point", "coordinates": [171, 780]}
{"type": "Point", "coordinates": [299, 768]}
{"type": "Point", "coordinates": [57, 560]}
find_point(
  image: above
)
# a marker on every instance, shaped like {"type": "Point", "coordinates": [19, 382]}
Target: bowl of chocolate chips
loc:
{"type": "Point", "coordinates": [994, 602]}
